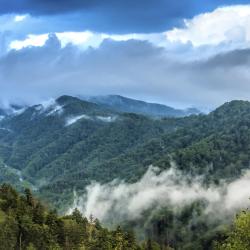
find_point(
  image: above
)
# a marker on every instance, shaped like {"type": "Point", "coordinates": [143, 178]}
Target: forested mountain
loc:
{"type": "Point", "coordinates": [124, 104]}
{"type": "Point", "coordinates": [60, 147]}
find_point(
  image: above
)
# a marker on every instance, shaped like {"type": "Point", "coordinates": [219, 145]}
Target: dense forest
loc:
{"type": "Point", "coordinates": [25, 223]}
{"type": "Point", "coordinates": [60, 148]}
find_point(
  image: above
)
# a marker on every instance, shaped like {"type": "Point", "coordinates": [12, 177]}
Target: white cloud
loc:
{"type": "Point", "coordinates": [85, 39]}
{"type": "Point", "coordinates": [156, 190]}
{"type": "Point", "coordinates": [20, 18]}
{"type": "Point", "coordinates": [31, 40]}
{"type": "Point", "coordinates": [55, 110]}
{"type": "Point", "coordinates": [76, 38]}
{"type": "Point", "coordinates": [223, 29]}
{"type": "Point", "coordinates": [73, 120]}
{"type": "Point", "coordinates": [106, 118]}
{"type": "Point", "coordinates": [229, 24]}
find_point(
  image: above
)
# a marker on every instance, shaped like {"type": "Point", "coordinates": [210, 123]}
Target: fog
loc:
{"type": "Point", "coordinates": [155, 190]}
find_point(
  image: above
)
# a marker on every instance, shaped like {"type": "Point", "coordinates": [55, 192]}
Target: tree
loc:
{"type": "Point", "coordinates": [239, 237]}
{"type": "Point", "coordinates": [38, 213]}
{"type": "Point", "coordinates": [29, 197]}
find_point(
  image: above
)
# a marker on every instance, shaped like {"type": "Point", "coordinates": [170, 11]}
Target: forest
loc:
{"type": "Point", "coordinates": [60, 149]}
{"type": "Point", "coordinates": [25, 223]}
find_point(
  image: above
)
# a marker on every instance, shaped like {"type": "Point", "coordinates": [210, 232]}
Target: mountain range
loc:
{"type": "Point", "coordinates": [60, 147]}
{"type": "Point", "coordinates": [41, 139]}
{"type": "Point", "coordinates": [128, 105]}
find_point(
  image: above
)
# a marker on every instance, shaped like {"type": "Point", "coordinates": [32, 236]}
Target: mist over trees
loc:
{"type": "Point", "coordinates": [25, 223]}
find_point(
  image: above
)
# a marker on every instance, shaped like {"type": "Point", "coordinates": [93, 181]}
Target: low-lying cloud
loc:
{"type": "Point", "coordinates": [155, 190]}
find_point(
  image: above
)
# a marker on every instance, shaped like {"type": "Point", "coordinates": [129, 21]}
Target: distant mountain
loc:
{"type": "Point", "coordinates": [124, 104]}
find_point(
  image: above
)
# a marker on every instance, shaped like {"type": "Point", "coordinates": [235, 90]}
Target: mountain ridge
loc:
{"type": "Point", "coordinates": [125, 104]}
{"type": "Point", "coordinates": [41, 149]}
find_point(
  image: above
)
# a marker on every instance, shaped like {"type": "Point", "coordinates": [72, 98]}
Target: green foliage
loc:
{"type": "Point", "coordinates": [26, 224]}
{"type": "Point", "coordinates": [55, 159]}
{"type": "Point", "coordinates": [239, 237]}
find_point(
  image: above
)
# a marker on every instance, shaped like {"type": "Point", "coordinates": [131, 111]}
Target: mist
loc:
{"type": "Point", "coordinates": [156, 190]}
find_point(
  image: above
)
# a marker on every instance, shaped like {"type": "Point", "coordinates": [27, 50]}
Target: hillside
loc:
{"type": "Point", "coordinates": [60, 147]}
{"type": "Point", "coordinates": [70, 142]}
{"type": "Point", "coordinates": [215, 145]}
{"type": "Point", "coordinates": [47, 142]}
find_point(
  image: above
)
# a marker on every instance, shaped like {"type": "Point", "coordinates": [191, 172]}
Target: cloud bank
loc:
{"type": "Point", "coordinates": [132, 68]}
{"type": "Point", "coordinates": [231, 22]}
{"type": "Point", "coordinates": [166, 67]}
{"type": "Point", "coordinates": [155, 190]}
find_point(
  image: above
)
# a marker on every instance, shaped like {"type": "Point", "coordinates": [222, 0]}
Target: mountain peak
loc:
{"type": "Point", "coordinates": [66, 99]}
{"type": "Point", "coordinates": [238, 106]}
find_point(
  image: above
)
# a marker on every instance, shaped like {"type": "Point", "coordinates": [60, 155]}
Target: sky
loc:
{"type": "Point", "coordinates": [185, 53]}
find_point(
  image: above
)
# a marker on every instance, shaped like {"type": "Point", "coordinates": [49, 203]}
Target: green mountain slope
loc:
{"type": "Point", "coordinates": [67, 143]}
{"type": "Point", "coordinates": [49, 142]}
{"type": "Point", "coordinates": [62, 146]}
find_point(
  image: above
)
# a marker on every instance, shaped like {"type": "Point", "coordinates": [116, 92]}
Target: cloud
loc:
{"type": "Point", "coordinates": [232, 32]}
{"type": "Point", "coordinates": [132, 68]}
{"type": "Point", "coordinates": [223, 25]}
{"type": "Point", "coordinates": [85, 39]}
{"type": "Point", "coordinates": [31, 40]}
{"type": "Point", "coordinates": [156, 190]}
{"type": "Point", "coordinates": [103, 16]}
{"type": "Point", "coordinates": [112, 16]}
{"type": "Point", "coordinates": [19, 18]}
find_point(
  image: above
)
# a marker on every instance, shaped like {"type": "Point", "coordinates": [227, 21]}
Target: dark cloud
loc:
{"type": "Point", "coordinates": [120, 16]}
{"type": "Point", "coordinates": [236, 58]}
{"type": "Point", "coordinates": [106, 16]}
{"type": "Point", "coordinates": [132, 68]}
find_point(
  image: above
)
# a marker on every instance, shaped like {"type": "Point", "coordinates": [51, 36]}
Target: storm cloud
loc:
{"type": "Point", "coordinates": [132, 68]}
{"type": "Point", "coordinates": [113, 15]}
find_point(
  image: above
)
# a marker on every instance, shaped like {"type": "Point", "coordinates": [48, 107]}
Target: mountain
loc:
{"type": "Point", "coordinates": [124, 104]}
{"type": "Point", "coordinates": [66, 143]}
{"type": "Point", "coordinates": [46, 142]}
{"type": "Point", "coordinates": [60, 147]}
{"type": "Point", "coordinates": [11, 110]}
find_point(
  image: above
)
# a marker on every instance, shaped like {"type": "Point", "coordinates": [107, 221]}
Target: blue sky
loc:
{"type": "Point", "coordinates": [182, 53]}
